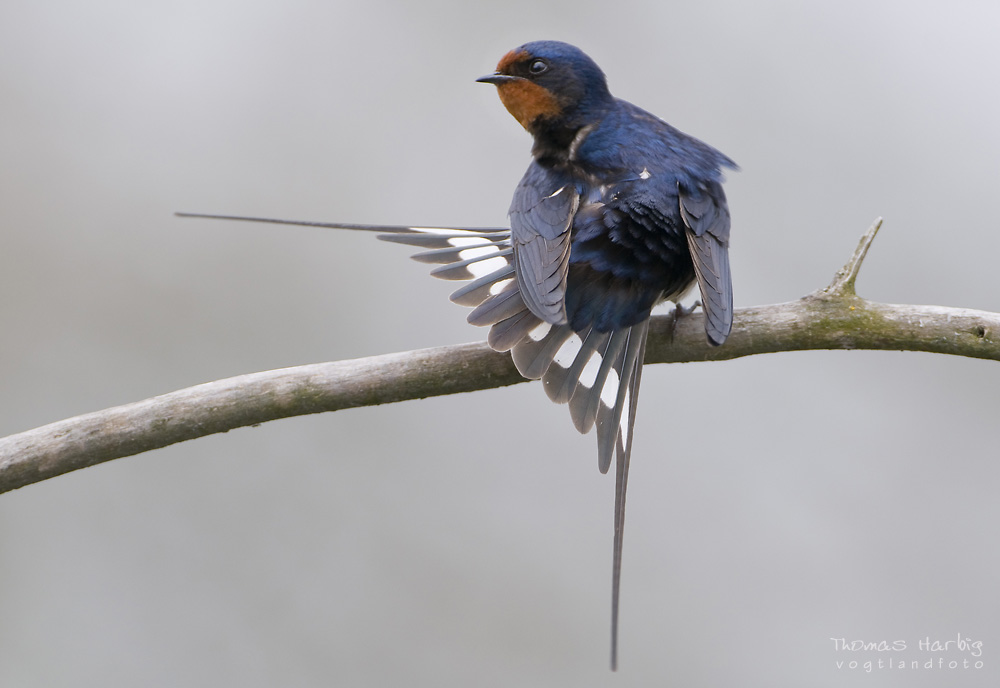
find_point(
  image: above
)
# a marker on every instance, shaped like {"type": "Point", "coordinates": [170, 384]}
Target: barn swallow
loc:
{"type": "Point", "coordinates": [617, 212]}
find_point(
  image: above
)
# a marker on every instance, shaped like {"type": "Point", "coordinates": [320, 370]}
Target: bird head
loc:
{"type": "Point", "coordinates": [549, 86]}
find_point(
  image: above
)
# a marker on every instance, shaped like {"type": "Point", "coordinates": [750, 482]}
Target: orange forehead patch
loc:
{"type": "Point", "coordinates": [510, 58]}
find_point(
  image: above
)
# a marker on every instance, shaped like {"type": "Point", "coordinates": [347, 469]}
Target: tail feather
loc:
{"type": "Point", "coordinates": [636, 352]}
{"type": "Point", "coordinates": [586, 400]}
{"type": "Point", "coordinates": [507, 334]}
{"type": "Point", "coordinates": [442, 238]}
{"type": "Point", "coordinates": [477, 266]}
{"type": "Point", "coordinates": [533, 355]}
{"type": "Point", "coordinates": [498, 307]}
{"type": "Point", "coordinates": [596, 373]}
{"type": "Point", "coordinates": [477, 291]}
{"type": "Point", "coordinates": [453, 254]}
{"type": "Point", "coordinates": [562, 379]}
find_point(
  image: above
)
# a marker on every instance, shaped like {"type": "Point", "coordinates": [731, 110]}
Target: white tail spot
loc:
{"type": "Point", "coordinates": [484, 267]}
{"type": "Point", "coordinates": [470, 253]}
{"type": "Point", "coordinates": [498, 287]}
{"type": "Point", "coordinates": [609, 395]}
{"type": "Point", "coordinates": [626, 403]}
{"type": "Point", "coordinates": [567, 352]}
{"type": "Point", "coordinates": [443, 230]}
{"type": "Point", "coordinates": [588, 376]}
{"type": "Point", "coordinates": [465, 241]}
{"type": "Point", "coordinates": [539, 332]}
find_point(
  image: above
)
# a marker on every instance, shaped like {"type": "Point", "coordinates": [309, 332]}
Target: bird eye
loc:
{"type": "Point", "coordinates": [538, 66]}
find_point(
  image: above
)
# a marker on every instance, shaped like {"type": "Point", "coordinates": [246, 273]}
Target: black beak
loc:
{"type": "Point", "coordinates": [497, 79]}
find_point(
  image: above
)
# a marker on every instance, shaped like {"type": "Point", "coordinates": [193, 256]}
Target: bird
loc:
{"type": "Point", "coordinates": [617, 212]}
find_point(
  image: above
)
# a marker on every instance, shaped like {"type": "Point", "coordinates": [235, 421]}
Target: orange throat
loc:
{"type": "Point", "coordinates": [528, 101]}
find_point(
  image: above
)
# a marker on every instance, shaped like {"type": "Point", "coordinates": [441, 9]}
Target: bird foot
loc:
{"type": "Point", "coordinates": [681, 311]}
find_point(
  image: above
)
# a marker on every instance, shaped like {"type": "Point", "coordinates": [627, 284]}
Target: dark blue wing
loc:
{"type": "Point", "coordinates": [541, 216]}
{"type": "Point", "coordinates": [706, 216]}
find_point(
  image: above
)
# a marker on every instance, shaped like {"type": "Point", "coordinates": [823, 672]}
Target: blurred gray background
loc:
{"type": "Point", "coordinates": [467, 540]}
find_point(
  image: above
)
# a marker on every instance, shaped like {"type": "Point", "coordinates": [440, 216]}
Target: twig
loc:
{"type": "Point", "coordinates": [843, 281]}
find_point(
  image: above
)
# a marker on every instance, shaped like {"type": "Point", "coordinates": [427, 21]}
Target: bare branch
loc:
{"type": "Point", "coordinates": [831, 318]}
